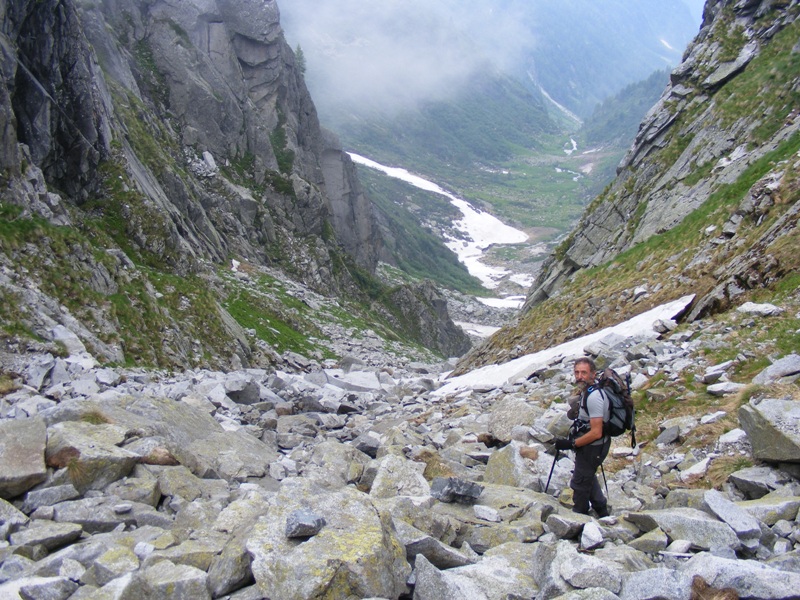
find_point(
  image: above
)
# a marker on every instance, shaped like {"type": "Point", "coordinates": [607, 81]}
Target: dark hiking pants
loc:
{"type": "Point", "coordinates": [585, 485]}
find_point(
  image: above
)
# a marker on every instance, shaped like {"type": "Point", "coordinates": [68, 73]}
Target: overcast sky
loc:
{"type": "Point", "coordinates": [385, 53]}
{"type": "Point", "coordinates": [391, 53]}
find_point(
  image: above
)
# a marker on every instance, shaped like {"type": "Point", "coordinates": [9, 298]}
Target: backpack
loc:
{"type": "Point", "coordinates": [617, 390]}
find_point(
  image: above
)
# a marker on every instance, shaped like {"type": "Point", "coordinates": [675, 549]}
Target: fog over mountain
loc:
{"type": "Point", "coordinates": [363, 56]}
{"type": "Point", "coordinates": [388, 55]}
{"type": "Point", "coordinates": [696, 8]}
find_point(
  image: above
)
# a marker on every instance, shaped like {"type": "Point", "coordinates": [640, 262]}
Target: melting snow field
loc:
{"type": "Point", "coordinates": [522, 367]}
{"type": "Point", "coordinates": [507, 302]}
{"type": "Point", "coordinates": [480, 229]}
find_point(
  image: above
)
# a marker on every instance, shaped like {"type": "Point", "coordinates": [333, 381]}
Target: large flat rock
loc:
{"type": "Point", "coordinates": [22, 446]}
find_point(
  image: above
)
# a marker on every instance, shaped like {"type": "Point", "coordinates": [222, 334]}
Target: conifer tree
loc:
{"type": "Point", "coordinates": [300, 59]}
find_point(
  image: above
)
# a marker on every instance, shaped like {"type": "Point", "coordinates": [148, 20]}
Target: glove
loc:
{"type": "Point", "coordinates": [574, 408]}
{"type": "Point", "coordinates": [564, 444]}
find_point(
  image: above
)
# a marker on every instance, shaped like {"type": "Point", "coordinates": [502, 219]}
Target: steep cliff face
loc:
{"type": "Point", "coordinates": [143, 146]}
{"type": "Point", "coordinates": [704, 202]}
{"type": "Point", "coordinates": [187, 100]}
{"type": "Point", "coordinates": [49, 103]}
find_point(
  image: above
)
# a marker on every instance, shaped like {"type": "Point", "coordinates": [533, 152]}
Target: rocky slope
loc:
{"type": "Point", "coordinates": [706, 200]}
{"type": "Point", "coordinates": [343, 480]}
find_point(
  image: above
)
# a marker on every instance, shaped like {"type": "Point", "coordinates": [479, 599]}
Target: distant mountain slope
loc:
{"type": "Point", "coordinates": [616, 119]}
{"type": "Point", "coordinates": [488, 120]}
{"type": "Point", "coordinates": [707, 200]}
{"type": "Point", "coordinates": [581, 51]}
{"type": "Point", "coordinates": [614, 123]}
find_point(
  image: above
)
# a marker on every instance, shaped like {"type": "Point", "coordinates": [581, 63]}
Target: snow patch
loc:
{"type": "Point", "coordinates": [480, 229]}
{"type": "Point", "coordinates": [509, 302]}
{"type": "Point", "coordinates": [476, 329]}
{"type": "Point", "coordinates": [520, 368]}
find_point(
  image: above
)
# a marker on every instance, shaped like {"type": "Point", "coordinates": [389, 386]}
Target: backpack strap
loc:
{"type": "Point", "coordinates": [585, 401]}
{"type": "Point", "coordinates": [606, 402]}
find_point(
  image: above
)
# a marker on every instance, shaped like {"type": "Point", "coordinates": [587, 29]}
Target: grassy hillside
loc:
{"type": "Point", "coordinates": [410, 218]}
{"type": "Point", "coordinates": [490, 120]}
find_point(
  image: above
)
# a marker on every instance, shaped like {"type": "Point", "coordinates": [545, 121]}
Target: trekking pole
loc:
{"type": "Point", "coordinates": [555, 459]}
{"type": "Point", "coordinates": [605, 481]}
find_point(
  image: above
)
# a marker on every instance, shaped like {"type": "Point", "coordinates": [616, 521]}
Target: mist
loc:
{"type": "Point", "coordinates": [392, 54]}
{"type": "Point", "coordinates": [381, 56]}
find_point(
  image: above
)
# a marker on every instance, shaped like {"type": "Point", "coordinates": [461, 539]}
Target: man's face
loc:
{"type": "Point", "coordinates": [583, 374]}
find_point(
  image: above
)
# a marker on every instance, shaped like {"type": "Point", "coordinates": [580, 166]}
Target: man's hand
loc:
{"type": "Point", "coordinates": [564, 444]}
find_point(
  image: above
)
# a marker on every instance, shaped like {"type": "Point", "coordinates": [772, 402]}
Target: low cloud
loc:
{"type": "Point", "coordinates": [390, 54]}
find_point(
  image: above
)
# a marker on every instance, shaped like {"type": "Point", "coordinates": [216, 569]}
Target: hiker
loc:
{"type": "Point", "coordinates": [591, 446]}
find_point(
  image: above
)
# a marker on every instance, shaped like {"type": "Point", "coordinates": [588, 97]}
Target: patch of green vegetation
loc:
{"type": "Point", "coordinates": [699, 174]}
{"type": "Point", "coordinates": [276, 317]}
{"type": "Point", "coordinates": [241, 169]}
{"type": "Point", "coordinates": [60, 259]}
{"type": "Point", "coordinates": [122, 214]}
{"type": "Point", "coordinates": [243, 166]}
{"type": "Point", "coordinates": [283, 154]}
{"type": "Point", "coordinates": [12, 319]}
{"type": "Point", "coordinates": [153, 145]}
{"type": "Point", "coordinates": [678, 142]}
{"type": "Point", "coordinates": [280, 183]}
{"type": "Point", "coordinates": [141, 326]}
{"type": "Point", "coordinates": [730, 36]}
{"type": "Point", "coordinates": [38, 245]}
{"type": "Point", "coordinates": [532, 192]}
{"type": "Point", "coordinates": [638, 215]}
{"type": "Point", "coordinates": [560, 252]}
{"type": "Point", "coordinates": [149, 75]}
{"type": "Point", "coordinates": [183, 37]}
{"type": "Point", "coordinates": [269, 327]}
{"type": "Point", "coordinates": [14, 228]}
{"type": "Point", "coordinates": [604, 196]}
{"type": "Point", "coordinates": [765, 88]}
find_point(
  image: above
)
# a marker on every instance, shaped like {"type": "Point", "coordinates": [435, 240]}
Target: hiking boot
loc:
{"type": "Point", "coordinates": [602, 511]}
